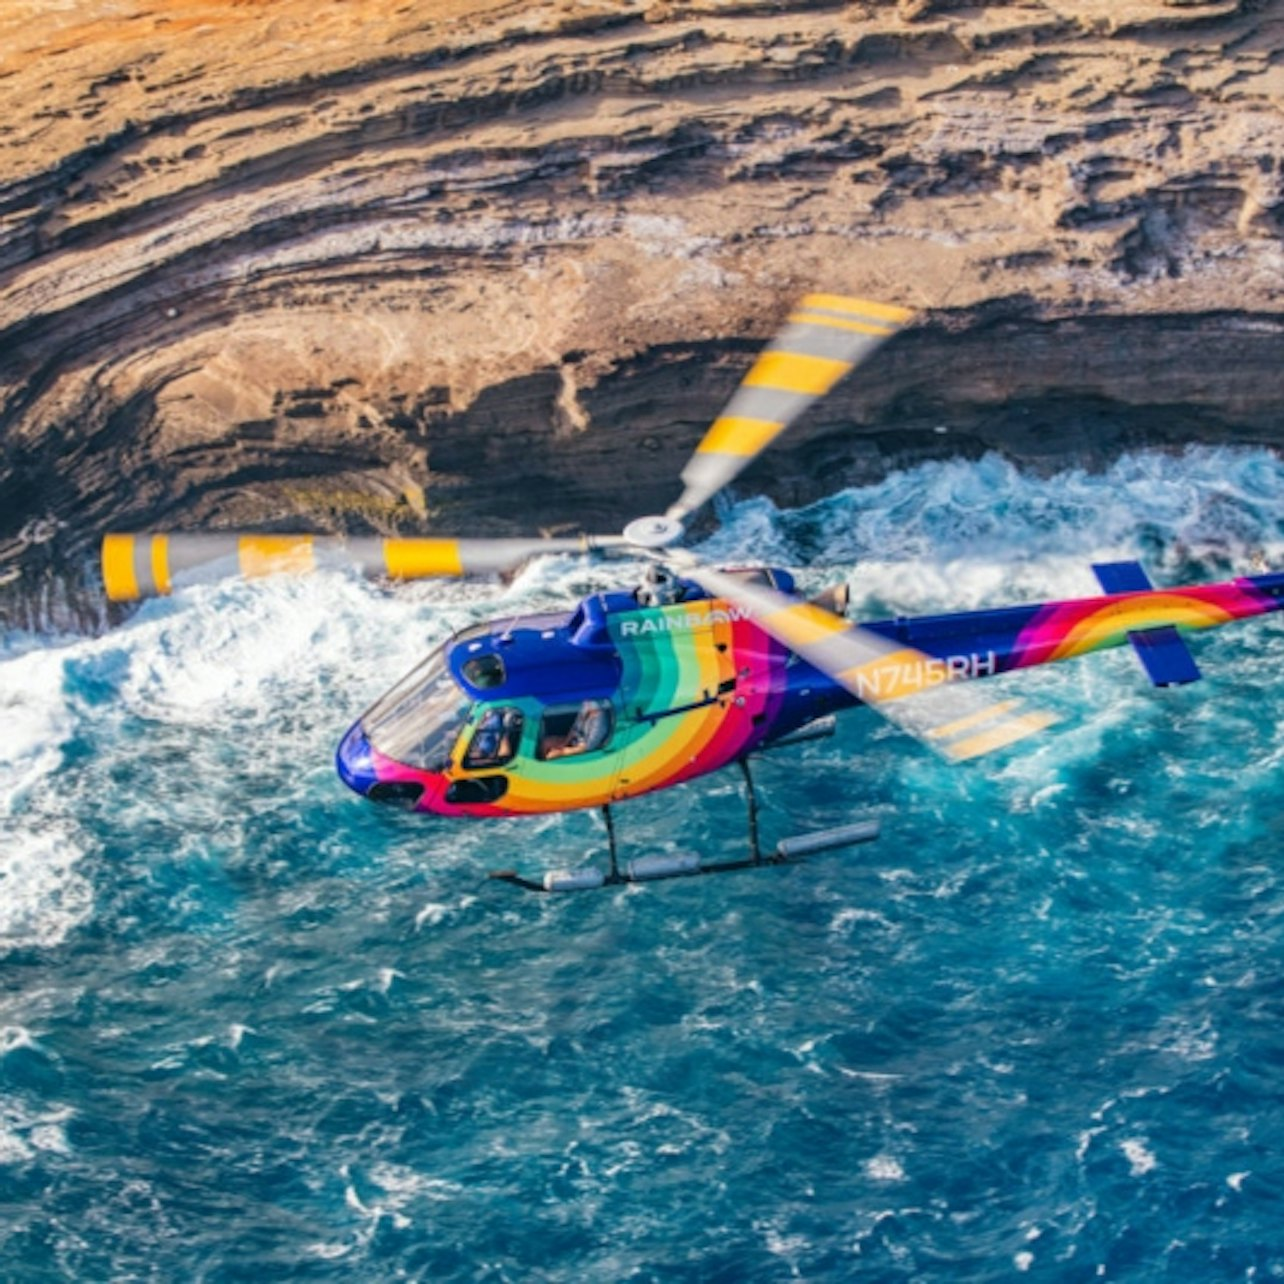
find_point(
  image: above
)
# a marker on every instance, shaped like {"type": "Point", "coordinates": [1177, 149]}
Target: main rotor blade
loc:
{"type": "Point", "coordinates": [827, 335]}
{"type": "Point", "coordinates": [138, 566]}
{"type": "Point", "coordinates": [909, 688]}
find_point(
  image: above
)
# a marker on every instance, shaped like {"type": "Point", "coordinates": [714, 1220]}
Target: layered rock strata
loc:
{"type": "Point", "coordinates": [496, 268]}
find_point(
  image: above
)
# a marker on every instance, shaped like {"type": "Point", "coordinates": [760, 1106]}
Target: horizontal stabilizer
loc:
{"type": "Point", "coordinates": [1161, 651]}
{"type": "Point", "coordinates": [1165, 657]}
{"type": "Point", "coordinates": [1121, 577]}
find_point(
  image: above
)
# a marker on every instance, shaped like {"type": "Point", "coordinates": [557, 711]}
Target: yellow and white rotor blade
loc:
{"type": "Point", "coordinates": [826, 336]}
{"type": "Point", "coordinates": [921, 694]}
{"type": "Point", "coordinates": [138, 566]}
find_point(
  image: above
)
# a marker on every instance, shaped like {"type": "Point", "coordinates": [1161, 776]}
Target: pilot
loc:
{"type": "Point", "coordinates": [492, 742]}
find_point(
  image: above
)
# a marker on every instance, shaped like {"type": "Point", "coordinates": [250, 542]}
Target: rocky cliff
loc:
{"type": "Point", "coordinates": [486, 266]}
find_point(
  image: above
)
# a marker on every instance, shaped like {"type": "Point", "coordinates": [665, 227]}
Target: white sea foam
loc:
{"type": "Point", "coordinates": [24, 1133]}
{"type": "Point", "coordinates": [13, 1037]}
{"type": "Point", "coordinates": [402, 1185]}
{"type": "Point", "coordinates": [434, 913]}
{"type": "Point", "coordinates": [387, 1191]}
{"type": "Point", "coordinates": [42, 896]}
{"type": "Point", "coordinates": [218, 646]}
{"type": "Point", "coordinates": [331, 1252]}
{"type": "Point", "coordinates": [851, 915]}
{"type": "Point", "coordinates": [35, 718]}
{"type": "Point", "coordinates": [780, 1243]}
{"type": "Point", "coordinates": [884, 1168]}
{"type": "Point", "coordinates": [1138, 1154]}
{"type": "Point", "coordinates": [961, 533]}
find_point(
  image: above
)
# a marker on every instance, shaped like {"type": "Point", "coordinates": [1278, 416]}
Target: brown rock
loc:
{"type": "Point", "coordinates": [281, 264]}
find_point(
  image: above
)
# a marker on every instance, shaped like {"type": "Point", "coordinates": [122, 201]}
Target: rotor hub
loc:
{"type": "Point", "coordinates": [653, 532]}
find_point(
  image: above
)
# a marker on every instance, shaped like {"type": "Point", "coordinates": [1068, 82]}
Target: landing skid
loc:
{"type": "Point", "coordinates": [649, 869]}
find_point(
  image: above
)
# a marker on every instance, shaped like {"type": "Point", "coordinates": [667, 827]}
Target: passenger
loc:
{"type": "Point", "coordinates": [589, 731]}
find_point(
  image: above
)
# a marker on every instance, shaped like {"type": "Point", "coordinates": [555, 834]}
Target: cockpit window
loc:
{"type": "Point", "coordinates": [568, 730]}
{"type": "Point", "coordinates": [495, 741]}
{"type": "Point", "coordinates": [419, 720]}
{"type": "Point", "coordinates": [484, 671]}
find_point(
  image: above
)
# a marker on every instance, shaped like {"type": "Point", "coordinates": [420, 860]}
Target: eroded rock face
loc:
{"type": "Point", "coordinates": [497, 269]}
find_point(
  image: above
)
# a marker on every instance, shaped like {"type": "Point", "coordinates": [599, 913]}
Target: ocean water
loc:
{"type": "Point", "coordinates": [254, 1028]}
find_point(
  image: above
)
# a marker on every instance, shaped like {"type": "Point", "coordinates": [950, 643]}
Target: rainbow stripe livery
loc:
{"type": "Point", "coordinates": [1066, 629]}
{"type": "Point", "coordinates": [487, 726]}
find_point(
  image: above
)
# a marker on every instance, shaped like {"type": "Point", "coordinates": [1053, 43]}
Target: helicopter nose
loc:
{"type": "Point", "coordinates": [355, 762]}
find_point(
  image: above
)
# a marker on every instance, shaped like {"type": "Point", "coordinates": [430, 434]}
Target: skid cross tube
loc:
{"type": "Point", "coordinates": [646, 869]}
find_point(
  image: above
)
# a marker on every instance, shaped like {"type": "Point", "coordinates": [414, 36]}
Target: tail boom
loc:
{"type": "Point", "coordinates": [979, 644]}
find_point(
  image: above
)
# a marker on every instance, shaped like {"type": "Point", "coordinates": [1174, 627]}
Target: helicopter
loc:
{"type": "Point", "coordinates": [697, 668]}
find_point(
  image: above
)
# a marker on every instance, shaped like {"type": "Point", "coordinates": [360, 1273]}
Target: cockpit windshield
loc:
{"type": "Point", "coordinates": [419, 720]}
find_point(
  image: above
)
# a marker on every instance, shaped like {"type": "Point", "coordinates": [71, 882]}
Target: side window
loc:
{"type": "Point", "coordinates": [484, 671]}
{"type": "Point", "coordinates": [484, 789]}
{"type": "Point", "coordinates": [569, 730]}
{"type": "Point", "coordinates": [496, 739]}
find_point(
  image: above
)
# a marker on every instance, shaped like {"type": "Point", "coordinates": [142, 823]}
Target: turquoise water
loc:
{"type": "Point", "coordinates": [253, 1028]}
